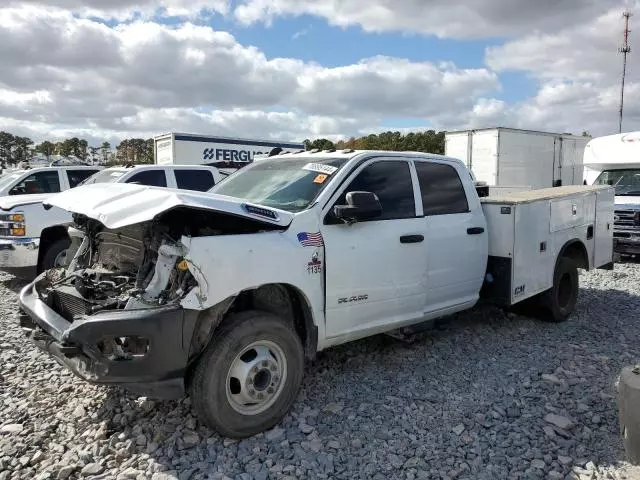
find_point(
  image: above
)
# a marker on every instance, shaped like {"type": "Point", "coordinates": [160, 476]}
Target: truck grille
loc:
{"type": "Point", "coordinates": [627, 219]}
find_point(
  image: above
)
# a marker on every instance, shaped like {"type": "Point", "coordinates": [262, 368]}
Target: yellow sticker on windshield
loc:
{"type": "Point", "coordinates": [320, 178]}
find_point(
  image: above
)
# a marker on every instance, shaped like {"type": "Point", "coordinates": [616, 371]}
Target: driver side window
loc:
{"type": "Point", "coordinates": [39, 182]}
{"type": "Point", "coordinates": [391, 181]}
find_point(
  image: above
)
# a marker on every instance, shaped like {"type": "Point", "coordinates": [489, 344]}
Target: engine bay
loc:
{"type": "Point", "coordinates": [139, 266]}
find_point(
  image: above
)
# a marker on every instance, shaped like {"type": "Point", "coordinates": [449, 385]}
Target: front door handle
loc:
{"type": "Point", "coordinates": [475, 231]}
{"type": "Point", "coordinates": [411, 238]}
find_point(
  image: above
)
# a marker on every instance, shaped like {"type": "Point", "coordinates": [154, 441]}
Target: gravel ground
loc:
{"type": "Point", "coordinates": [485, 395]}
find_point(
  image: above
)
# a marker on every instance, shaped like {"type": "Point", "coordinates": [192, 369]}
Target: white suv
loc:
{"type": "Point", "coordinates": [184, 177]}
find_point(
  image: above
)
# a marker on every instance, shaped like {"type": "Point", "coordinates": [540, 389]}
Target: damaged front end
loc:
{"type": "Point", "coordinates": [134, 267]}
{"type": "Point", "coordinates": [125, 308]}
{"type": "Point", "coordinates": [113, 315]}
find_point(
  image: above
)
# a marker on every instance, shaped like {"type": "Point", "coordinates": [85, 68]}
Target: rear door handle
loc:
{"type": "Point", "coordinates": [411, 238]}
{"type": "Point", "coordinates": [475, 231]}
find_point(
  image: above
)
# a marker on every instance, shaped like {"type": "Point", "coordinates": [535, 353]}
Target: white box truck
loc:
{"type": "Point", "coordinates": [225, 153]}
{"type": "Point", "coordinates": [615, 160]}
{"type": "Point", "coordinates": [508, 156]}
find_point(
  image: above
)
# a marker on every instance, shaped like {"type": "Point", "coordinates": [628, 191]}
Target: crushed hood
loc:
{"type": "Point", "coordinates": [13, 201]}
{"type": "Point", "coordinates": [118, 205]}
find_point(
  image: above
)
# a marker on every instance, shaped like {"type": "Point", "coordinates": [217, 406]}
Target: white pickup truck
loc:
{"type": "Point", "coordinates": [223, 294]}
{"type": "Point", "coordinates": [34, 238]}
{"type": "Point", "coordinates": [24, 190]}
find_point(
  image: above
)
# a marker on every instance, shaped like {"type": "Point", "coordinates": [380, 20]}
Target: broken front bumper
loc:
{"type": "Point", "coordinates": [627, 245]}
{"type": "Point", "coordinates": [158, 373]}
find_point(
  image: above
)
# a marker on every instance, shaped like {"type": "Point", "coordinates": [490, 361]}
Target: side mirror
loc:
{"type": "Point", "coordinates": [360, 206]}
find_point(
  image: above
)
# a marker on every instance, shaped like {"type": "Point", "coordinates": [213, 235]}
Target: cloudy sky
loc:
{"type": "Point", "coordinates": [295, 69]}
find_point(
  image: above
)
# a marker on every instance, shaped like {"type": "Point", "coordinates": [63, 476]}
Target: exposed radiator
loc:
{"type": "Point", "coordinates": [68, 302]}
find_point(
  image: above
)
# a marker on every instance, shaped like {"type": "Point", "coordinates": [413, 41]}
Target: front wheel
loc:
{"type": "Point", "coordinates": [249, 375]}
{"type": "Point", "coordinates": [561, 299]}
{"type": "Point", "coordinates": [55, 256]}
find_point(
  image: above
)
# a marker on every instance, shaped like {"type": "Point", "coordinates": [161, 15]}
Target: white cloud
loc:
{"type": "Point", "coordinates": [586, 51]}
{"type": "Point", "coordinates": [578, 71]}
{"type": "Point", "coordinates": [127, 9]}
{"type": "Point", "coordinates": [146, 123]}
{"type": "Point", "coordinates": [443, 18]}
{"type": "Point", "coordinates": [149, 77]}
{"type": "Point", "coordinates": [67, 74]}
{"type": "Point", "coordinates": [582, 106]}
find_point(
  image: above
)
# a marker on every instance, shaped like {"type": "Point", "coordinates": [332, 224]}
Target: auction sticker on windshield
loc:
{"type": "Point", "coordinates": [320, 168]}
{"type": "Point", "coordinates": [320, 178]}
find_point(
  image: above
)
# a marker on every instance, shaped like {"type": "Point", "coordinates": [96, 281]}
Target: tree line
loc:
{"type": "Point", "coordinates": [428, 141]}
{"type": "Point", "coordinates": [15, 149]}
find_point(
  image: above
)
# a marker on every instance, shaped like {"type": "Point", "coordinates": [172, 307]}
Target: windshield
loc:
{"type": "Point", "coordinates": [9, 178]}
{"type": "Point", "coordinates": [104, 176]}
{"type": "Point", "coordinates": [626, 182]}
{"type": "Point", "coordinates": [284, 183]}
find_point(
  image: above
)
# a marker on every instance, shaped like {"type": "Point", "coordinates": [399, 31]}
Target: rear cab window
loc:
{"type": "Point", "coordinates": [76, 177]}
{"type": "Point", "coordinates": [152, 178]}
{"type": "Point", "coordinates": [194, 179]}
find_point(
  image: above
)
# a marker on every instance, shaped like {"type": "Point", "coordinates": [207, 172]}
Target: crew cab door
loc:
{"type": "Point", "coordinates": [376, 269]}
{"type": "Point", "coordinates": [456, 236]}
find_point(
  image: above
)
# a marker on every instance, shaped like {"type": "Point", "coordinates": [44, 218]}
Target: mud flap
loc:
{"type": "Point", "coordinates": [629, 412]}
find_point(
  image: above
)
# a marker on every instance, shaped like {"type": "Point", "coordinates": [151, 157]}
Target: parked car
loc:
{"type": "Point", "coordinates": [34, 238]}
{"type": "Point", "coordinates": [223, 294]}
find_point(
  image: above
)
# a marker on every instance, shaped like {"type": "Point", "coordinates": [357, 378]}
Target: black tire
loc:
{"type": "Point", "coordinates": [561, 299]}
{"type": "Point", "coordinates": [54, 249]}
{"type": "Point", "coordinates": [208, 385]}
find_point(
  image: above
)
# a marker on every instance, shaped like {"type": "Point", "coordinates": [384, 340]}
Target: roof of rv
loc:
{"type": "Point", "coordinates": [620, 149]}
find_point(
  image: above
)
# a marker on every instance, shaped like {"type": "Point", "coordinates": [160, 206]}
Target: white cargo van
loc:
{"type": "Point", "coordinates": [615, 160]}
{"type": "Point", "coordinates": [512, 157]}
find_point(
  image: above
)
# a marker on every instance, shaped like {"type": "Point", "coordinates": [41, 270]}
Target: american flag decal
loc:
{"type": "Point", "coordinates": [308, 239]}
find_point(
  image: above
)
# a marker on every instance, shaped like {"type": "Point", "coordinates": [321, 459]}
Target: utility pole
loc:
{"type": "Point", "coordinates": [625, 49]}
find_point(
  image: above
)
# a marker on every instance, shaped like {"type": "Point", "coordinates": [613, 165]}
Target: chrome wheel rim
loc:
{"type": "Point", "coordinates": [256, 377]}
{"type": "Point", "coordinates": [60, 260]}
